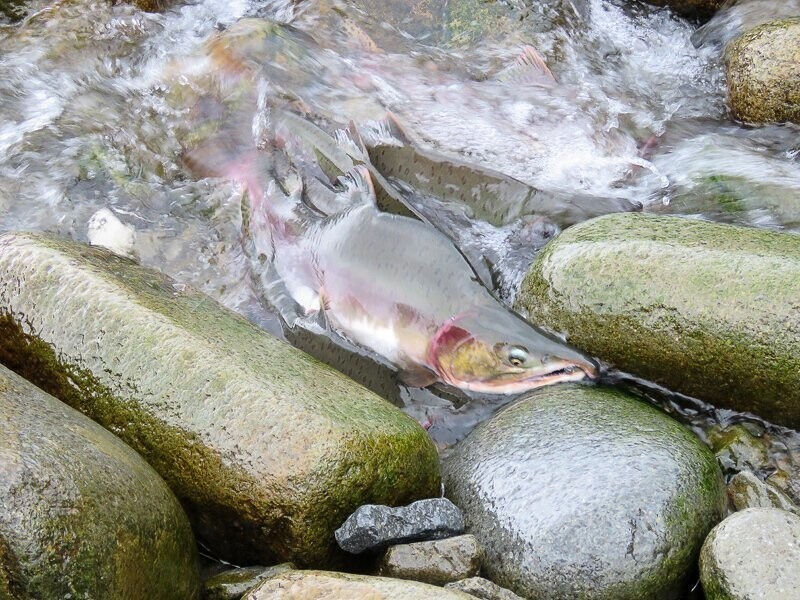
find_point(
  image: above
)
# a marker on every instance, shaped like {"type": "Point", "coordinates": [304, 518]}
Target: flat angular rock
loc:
{"type": "Point", "coordinates": [82, 515]}
{"type": "Point", "coordinates": [705, 309]}
{"type": "Point", "coordinates": [754, 553]}
{"type": "Point", "coordinates": [319, 585]}
{"type": "Point", "coordinates": [268, 449]}
{"type": "Point", "coordinates": [235, 583]}
{"type": "Point", "coordinates": [585, 492]}
{"type": "Point", "coordinates": [483, 589]}
{"type": "Point", "coordinates": [745, 490]}
{"type": "Point", "coordinates": [436, 562]}
{"type": "Point", "coordinates": [374, 527]}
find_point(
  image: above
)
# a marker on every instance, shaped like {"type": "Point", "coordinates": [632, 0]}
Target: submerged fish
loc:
{"type": "Point", "coordinates": [397, 286]}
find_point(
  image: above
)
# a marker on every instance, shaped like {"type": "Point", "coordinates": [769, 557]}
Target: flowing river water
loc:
{"type": "Point", "coordinates": [98, 101]}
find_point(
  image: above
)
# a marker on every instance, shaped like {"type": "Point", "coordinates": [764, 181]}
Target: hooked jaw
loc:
{"type": "Point", "coordinates": [486, 372]}
{"type": "Point", "coordinates": [511, 383]}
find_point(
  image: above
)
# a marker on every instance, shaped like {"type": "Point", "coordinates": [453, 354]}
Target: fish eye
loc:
{"type": "Point", "coordinates": [517, 356]}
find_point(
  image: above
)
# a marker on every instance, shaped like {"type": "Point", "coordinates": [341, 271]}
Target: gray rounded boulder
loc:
{"type": "Point", "coordinates": [82, 515]}
{"type": "Point", "coordinates": [762, 67]}
{"type": "Point", "coordinates": [754, 553]}
{"type": "Point", "coordinates": [586, 492]}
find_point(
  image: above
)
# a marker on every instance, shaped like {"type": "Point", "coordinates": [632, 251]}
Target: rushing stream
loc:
{"type": "Point", "coordinates": [98, 103]}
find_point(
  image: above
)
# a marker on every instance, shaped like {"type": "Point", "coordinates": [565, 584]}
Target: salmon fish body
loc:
{"type": "Point", "coordinates": [398, 287]}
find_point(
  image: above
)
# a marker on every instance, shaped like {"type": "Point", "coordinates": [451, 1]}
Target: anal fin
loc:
{"type": "Point", "coordinates": [417, 376]}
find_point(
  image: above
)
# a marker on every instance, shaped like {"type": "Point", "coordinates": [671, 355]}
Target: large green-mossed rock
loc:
{"type": "Point", "coordinates": [762, 67]}
{"type": "Point", "coordinates": [586, 492]}
{"type": "Point", "coordinates": [268, 449]}
{"type": "Point", "coordinates": [705, 309]}
{"type": "Point", "coordinates": [83, 515]}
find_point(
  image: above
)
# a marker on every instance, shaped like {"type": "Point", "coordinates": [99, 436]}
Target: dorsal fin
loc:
{"type": "Point", "coordinates": [397, 128]}
{"type": "Point", "coordinates": [529, 65]}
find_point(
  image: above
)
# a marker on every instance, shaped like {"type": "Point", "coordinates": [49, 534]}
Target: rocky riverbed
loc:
{"type": "Point", "coordinates": [177, 424]}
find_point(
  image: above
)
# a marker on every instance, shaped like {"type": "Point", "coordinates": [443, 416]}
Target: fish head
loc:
{"type": "Point", "coordinates": [498, 352]}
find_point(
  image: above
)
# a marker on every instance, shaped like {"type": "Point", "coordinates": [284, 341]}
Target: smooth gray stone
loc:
{"type": "Point", "coordinates": [235, 583]}
{"type": "Point", "coordinates": [585, 492]}
{"type": "Point", "coordinates": [754, 553]}
{"type": "Point", "coordinates": [745, 490]}
{"type": "Point", "coordinates": [483, 589]}
{"type": "Point", "coordinates": [374, 527]}
{"type": "Point", "coordinates": [436, 562]}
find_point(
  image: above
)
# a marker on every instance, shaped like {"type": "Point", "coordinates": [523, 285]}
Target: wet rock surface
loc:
{"type": "Point", "coordinates": [762, 67]}
{"type": "Point", "coordinates": [737, 449]}
{"type": "Point", "coordinates": [82, 515]}
{"type": "Point", "coordinates": [268, 449]}
{"type": "Point", "coordinates": [483, 589]}
{"type": "Point", "coordinates": [374, 527]}
{"type": "Point", "coordinates": [705, 309]}
{"type": "Point", "coordinates": [328, 584]}
{"type": "Point", "coordinates": [235, 583]}
{"type": "Point", "coordinates": [585, 492]}
{"type": "Point", "coordinates": [754, 553]}
{"type": "Point", "coordinates": [745, 490]}
{"type": "Point", "coordinates": [436, 562]}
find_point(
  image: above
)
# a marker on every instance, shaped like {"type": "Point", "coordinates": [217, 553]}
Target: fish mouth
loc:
{"type": "Point", "coordinates": [511, 383]}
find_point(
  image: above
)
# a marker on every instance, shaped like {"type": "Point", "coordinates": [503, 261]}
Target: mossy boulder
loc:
{"type": "Point", "coordinates": [705, 309]}
{"type": "Point", "coordinates": [585, 492]}
{"type": "Point", "coordinates": [268, 449]}
{"type": "Point", "coordinates": [328, 584]}
{"type": "Point", "coordinates": [702, 9]}
{"type": "Point", "coordinates": [754, 553]}
{"type": "Point", "coordinates": [83, 515]}
{"type": "Point", "coordinates": [762, 67]}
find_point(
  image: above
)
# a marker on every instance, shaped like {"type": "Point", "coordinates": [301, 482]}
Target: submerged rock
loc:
{"type": "Point", "coordinates": [267, 448]}
{"type": "Point", "coordinates": [762, 68]}
{"type": "Point", "coordinates": [745, 490]}
{"type": "Point", "coordinates": [328, 584]}
{"type": "Point", "coordinates": [705, 309]}
{"type": "Point", "coordinates": [82, 515]}
{"type": "Point", "coordinates": [691, 8]}
{"type": "Point", "coordinates": [374, 527]}
{"type": "Point", "coordinates": [483, 589]}
{"type": "Point", "coordinates": [437, 562]}
{"type": "Point", "coordinates": [235, 583]}
{"type": "Point", "coordinates": [586, 492]}
{"type": "Point", "coordinates": [754, 553]}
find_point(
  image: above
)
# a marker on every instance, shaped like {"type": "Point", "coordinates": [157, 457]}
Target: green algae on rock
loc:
{"type": "Point", "coordinates": [83, 516]}
{"type": "Point", "coordinates": [586, 492]}
{"type": "Point", "coordinates": [328, 584]}
{"type": "Point", "coordinates": [762, 67]}
{"type": "Point", "coordinates": [268, 449]}
{"type": "Point", "coordinates": [705, 309]}
{"type": "Point", "coordinates": [754, 553]}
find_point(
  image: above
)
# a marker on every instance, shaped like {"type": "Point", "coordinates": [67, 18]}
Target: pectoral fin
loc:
{"type": "Point", "coordinates": [417, 376]}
